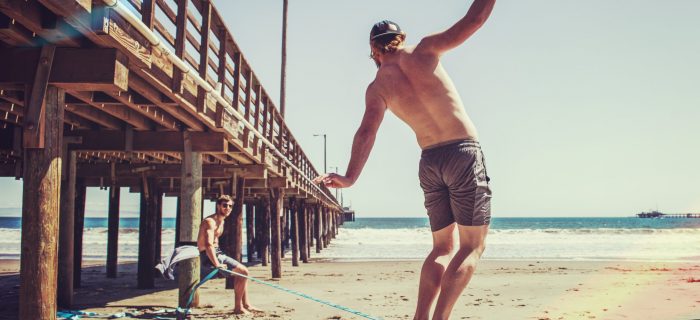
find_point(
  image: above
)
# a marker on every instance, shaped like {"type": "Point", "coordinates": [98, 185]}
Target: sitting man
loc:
{"type": "Point", "coordinates": [211, 256]}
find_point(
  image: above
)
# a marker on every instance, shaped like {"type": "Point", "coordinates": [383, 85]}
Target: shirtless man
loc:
{"type": "Point", "coordinates": [210, 256]}
{"type": "Point", "coordinates": [413, 85]}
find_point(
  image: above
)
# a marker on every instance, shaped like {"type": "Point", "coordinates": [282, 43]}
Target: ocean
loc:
{"type": "Point", "coordinates": [668, 239]}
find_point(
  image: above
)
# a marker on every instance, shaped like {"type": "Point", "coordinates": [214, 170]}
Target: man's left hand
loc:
{"type": "Point", "coordinates": [334, 180]}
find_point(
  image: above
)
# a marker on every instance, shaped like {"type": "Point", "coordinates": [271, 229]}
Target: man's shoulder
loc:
{"type": "Point", "coordinates": [209, 221]}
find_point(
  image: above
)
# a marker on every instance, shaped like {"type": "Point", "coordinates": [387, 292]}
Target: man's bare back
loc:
{"type": "Point", "coordinates": [452, 173]}
{"type": "Point", "coordinates": [416, 88]}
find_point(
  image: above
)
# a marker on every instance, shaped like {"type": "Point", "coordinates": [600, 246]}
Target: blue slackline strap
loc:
{"type": "Point", "coordinates": [183, 312]}
{"type": "Point", "coordinates": [303, 295]}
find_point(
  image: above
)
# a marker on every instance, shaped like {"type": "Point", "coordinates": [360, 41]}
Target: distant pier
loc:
{"type": "Point", "coordinates": [656, 214]}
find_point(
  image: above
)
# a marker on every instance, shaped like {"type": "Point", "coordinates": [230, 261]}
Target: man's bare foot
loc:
{"type": "Point", "coordinates": [241, 311]}
{"type": "Point", "coordinates": [252, 309]}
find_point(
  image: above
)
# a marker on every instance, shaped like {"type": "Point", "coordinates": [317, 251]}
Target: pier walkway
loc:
{"type": "Point", "coordinates": [156, 96]}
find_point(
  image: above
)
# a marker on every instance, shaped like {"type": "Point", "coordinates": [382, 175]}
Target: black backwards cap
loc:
{"type": "Point", "coordinates": [384, 27]}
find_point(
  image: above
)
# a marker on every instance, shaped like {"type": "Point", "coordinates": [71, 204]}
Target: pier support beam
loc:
{"type": "Point", "coordinates": [190, 219]}
{"type": "Point", "coordinates": [259, 217]}
{"type": "Point", "coordinates": [80, 195]}
{"type": "Point", "coordinates": [159, 230]}
{"type": "Point", "coordinates": [303, 226]}
{"type": "Point", "coordinates": [113, 231]}
{"type": "Point", "coordinates": [234, 223]}
{"type": "Point", "coordinates": [265, 231]}
{"type": "Point", "coordinates": [294, 231]}
{"type": "Point", "coordinates": [250, 231]}
{"type": "Point", "coordinates": [66, 229]}
{"type": "Point", "coordinates": [318, 227]}
{"type": "Point", "coordinates": [147, 232]}
{"type": "Point", "coordinates": [40, 216]}
{"type": "Point", "coordinates": [276, 210]}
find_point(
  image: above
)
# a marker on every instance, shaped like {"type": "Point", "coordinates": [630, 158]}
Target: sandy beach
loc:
{"type": "Point", "coordinates": [387, 289]}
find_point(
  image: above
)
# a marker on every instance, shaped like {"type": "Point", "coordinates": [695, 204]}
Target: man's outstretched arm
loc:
{"type": "Point", "coordinates": [440, 42]}
{"type": "Point", "coordinates": [362, 143]}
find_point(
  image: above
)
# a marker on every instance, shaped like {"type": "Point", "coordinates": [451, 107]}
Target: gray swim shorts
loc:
{"type": "Point", "coordinates": [206, 266]}
{"type": "Point", "coordinates": [455, 184]}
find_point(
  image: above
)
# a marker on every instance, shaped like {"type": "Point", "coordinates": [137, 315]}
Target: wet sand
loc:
{"type": "Point", "coordinates": [499, 290]}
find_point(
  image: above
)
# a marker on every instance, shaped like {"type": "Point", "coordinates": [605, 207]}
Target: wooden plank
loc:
{"type": "Point", "coordinates": [178, 111]}
{"type": "Point", "coordinates": [148, 9]}
{"type": "Point", "coordinates": [40, 217]}
{"type": "Point", "coordinates": [81, 69]}
{"type": "Point", "coordinates": [30, 15]}
{"type": "Point", "coordinates": [149, 141]}
{"type": "Point", "coordinates": [108, 28]}
{"type": "Point", "coordinates": [204, 54]}
{"type": "Point", "coordinates": [256, 122]}
{"type": "Point", "coordinates": [181, 28]}
{"type": "Point", "coordinates": [118, 111]}
{"type": "Point", "coordinates": [277, 182]}
{"type": "Point", "coordinates": [191, 217]}
{"type": "Point", "coordinates": [152, 113]}
{"type": "Point", "coordinates": [96, 116]}
{"type": "Point", "coordinates": [113, 232]}
{"type": "Point", "coordinates": [246, 105]}
{"type": "Point", "coordinates": [15, 34]}
{"type": "Point", "coordinates": [34, 114]}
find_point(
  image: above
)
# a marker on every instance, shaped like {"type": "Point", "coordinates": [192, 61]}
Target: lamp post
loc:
{"type": "Point", "coordinates": [336, 189]}
{"type": "Point", "coordinates": [325, 169]}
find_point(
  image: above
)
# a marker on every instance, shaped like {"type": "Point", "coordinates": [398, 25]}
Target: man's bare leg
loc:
{"type": "Point", "coordinates": [240, 286]}
{"type": "Point", "coordinates": [460, 269]}
{"type": "Point", "coordinates": [432, 271]}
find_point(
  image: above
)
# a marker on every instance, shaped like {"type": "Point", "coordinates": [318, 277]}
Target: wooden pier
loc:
{"type": "Point", "coordinates": [656, 214]}
{"type": "Point", "coordinates": [104, 94]}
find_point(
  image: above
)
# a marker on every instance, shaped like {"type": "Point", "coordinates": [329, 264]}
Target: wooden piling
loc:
{"type": "Point", "coordinates": [284, 230]}
{"type": "Point", "coordinates": [177, 221]}
{"type": "Point", "coordinates": [113, 232]}
{"type": "Point", "coordinates": [293, 231]}
{"type": "Point", "coordinates": [66, 230]}
{"type": "Point", "coordinates": [259, 226]}
{"type": "Point", "coordinates": [250, 231]}
{"type": "Point", "coordinates": [266, 231]}
{"type": "Point", "coordinates": [159, 230]}
{"type": "Point", "coordinates": [190, 219]}
{"type": "Point", "coordinates": [318, 225]}
{"type": "Point", "coordinates": [147, 233]}
{"type": "Point", "coordinates": [40, 215]}
{"type": "Point", "coordinates": [235, 224]}
{"type": "Point", "coordinates": [80, 194]}
{"type": "Point", "coordinates": [276, 210]}
{"type": "Point", "coordinates": [309, 229]}
{"type": "Point", "coordinates": [301, 213]}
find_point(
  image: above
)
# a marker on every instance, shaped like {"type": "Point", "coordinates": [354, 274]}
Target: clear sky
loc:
{"type": "Point", "coordinates": [583, 108]}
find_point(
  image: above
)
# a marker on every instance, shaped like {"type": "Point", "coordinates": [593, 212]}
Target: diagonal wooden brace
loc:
{"type": "Point", "coordinates": [34, 114]}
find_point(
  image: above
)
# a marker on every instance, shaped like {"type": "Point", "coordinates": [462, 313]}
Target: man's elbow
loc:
{"type": "Point", "coordinates": [365, 134]}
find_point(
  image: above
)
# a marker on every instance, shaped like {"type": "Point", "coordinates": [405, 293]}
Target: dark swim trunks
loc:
{"type": "Point", "coordinates": [206, 266]}
{"type": "Point", "coordinates": [455, 184]}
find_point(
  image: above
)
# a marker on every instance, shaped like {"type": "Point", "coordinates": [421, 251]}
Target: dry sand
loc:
{"type": "Point", "coordinates": [499, 290]}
